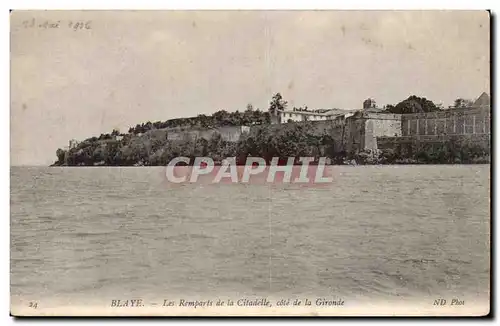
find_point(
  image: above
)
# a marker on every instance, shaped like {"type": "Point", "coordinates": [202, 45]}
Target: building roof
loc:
{"type": "Point", "coordinates": [374, 110]}
{"type": "Point", "coordinates": [329, 112]}
{"type": "Point", "coordinates": [304, 112]}
{"type": "Point", "coordinates": [482, 100]}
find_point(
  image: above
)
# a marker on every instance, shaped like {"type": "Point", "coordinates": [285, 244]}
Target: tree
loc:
{"type": "Point", "coordinates": [60, 155]}
{"type": "Point", "coordinates": [369, 103]}
{"type": "Point", "coordinates": [462, 103]}
{"type": "Point", "coordinates": [277, 104]}
{"type": "Point", "coordinates": [204, 121]}
{"type": "Point", "coordinates": [389, 108]}
{"type": "Point", "coordinates": [221, 117]}
{"type": "Point", "coordinates": [413, 104]}
{"type": "Point", "coordinates": [99, 154]}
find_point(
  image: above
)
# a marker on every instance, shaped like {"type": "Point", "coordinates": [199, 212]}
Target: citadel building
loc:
{"type": "Point", "coordinates": [371, 129]}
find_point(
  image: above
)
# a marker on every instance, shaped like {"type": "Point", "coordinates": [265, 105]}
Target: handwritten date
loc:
{"type": "Point", "coordinates": [75, 25]}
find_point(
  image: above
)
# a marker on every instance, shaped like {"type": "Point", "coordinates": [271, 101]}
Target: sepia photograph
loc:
{"type": "Point", "coordinates": [250, 163]}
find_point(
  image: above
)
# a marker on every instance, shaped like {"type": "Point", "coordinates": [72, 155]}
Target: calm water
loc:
{"type": "Point", "coordinates": [376, 232]}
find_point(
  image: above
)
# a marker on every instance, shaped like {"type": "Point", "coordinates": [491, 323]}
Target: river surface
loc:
{"type": "Point", "coordinates": [376, 232]}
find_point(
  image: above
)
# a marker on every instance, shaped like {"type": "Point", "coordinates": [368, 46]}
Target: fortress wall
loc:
{"type": "Point", "coordinates": [333, 128]}
{"type": "Point", "coordinates": [381, 126]}
{"type": "Point", "coordinates": [381, 116]}
{"type": "Point", "coordinates": [364, 128]}
{"type": "Point", "coordinates": [353, 134]}
{"type": "Point", "coordinates": [354, 138]}
{"type": "Point", "coordinates": [190, 134]}
{"type": "Point", "coordinates": [461, 126]}
{"type": "Point", "coordinates": [463, 121]}
{"type": "Point", "coordinates": [315, 127]}
{"type": "Point", "coordinates": [228, 133]}
{"type": "Point", "coordinates": [232, 133]}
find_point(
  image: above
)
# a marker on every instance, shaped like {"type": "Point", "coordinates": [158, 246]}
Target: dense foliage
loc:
{"type": "Point", "coordinates": [440, 153]}
{"type": "Point", "coordinates": [218, 119]}
{"type": "Point", "coordinates": [412, 104]}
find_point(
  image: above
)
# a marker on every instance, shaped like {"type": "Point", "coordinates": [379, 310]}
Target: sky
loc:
{"type": "Point", "coordinates": [129, 67]}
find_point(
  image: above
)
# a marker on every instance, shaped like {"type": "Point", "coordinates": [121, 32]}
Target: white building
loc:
{"type": "Point", "coordinates": [298, 116]}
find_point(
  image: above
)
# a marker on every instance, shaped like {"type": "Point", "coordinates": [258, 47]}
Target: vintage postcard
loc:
{"type": "Point", "coordinates": [250, 163]}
